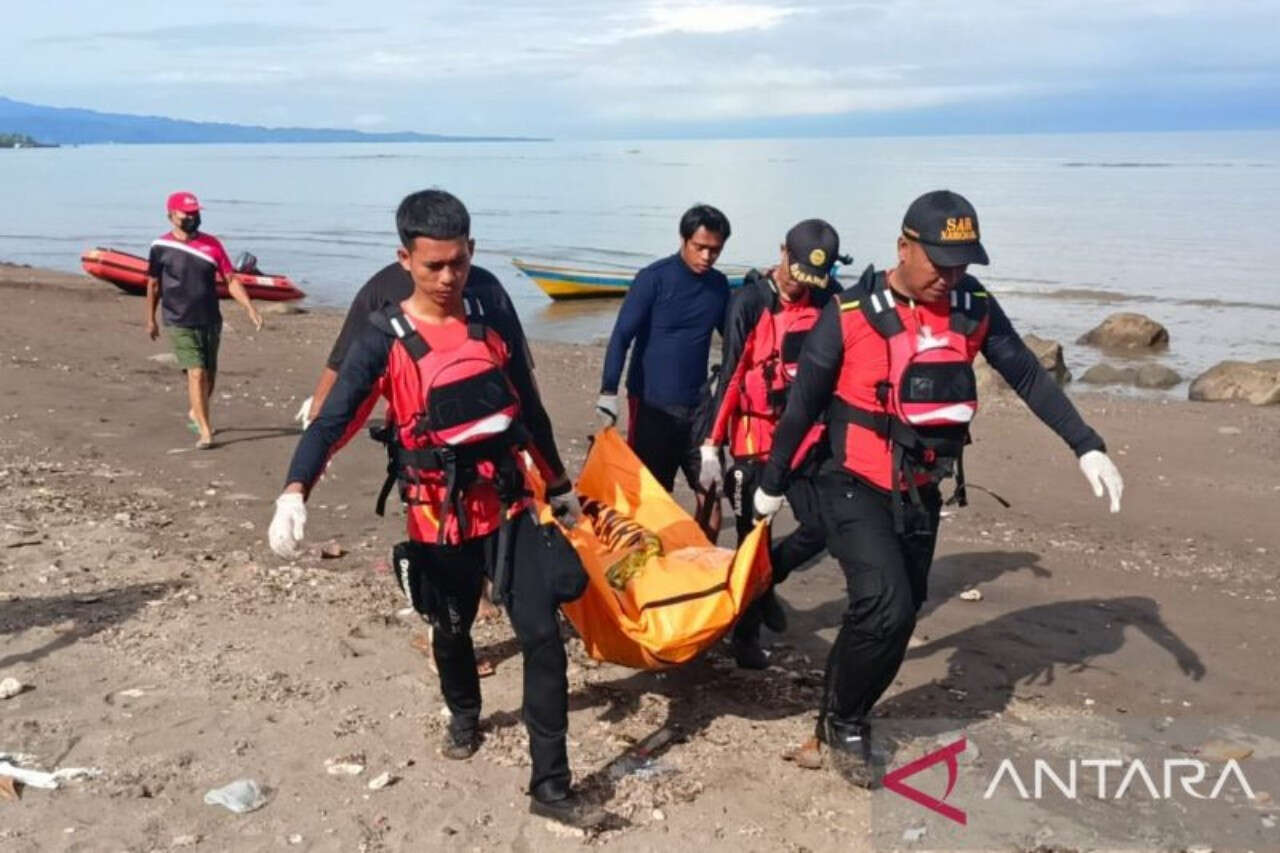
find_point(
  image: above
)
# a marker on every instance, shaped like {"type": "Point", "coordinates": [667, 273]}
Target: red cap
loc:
{"type": "Point", "coordinates": [183, 202]}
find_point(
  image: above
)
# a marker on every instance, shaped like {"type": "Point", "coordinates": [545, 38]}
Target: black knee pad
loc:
{"type": "Point", "coordinates": [409, 565]}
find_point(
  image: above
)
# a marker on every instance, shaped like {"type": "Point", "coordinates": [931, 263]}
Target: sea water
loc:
{"type": "Point", "coordinates": [1183, 227]}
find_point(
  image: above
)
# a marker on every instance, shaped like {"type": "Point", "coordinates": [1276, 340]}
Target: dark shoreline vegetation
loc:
{"type": "Point", "coordinates": [77, 126]}
{"type": "Point", "coordinates": [21, 140]}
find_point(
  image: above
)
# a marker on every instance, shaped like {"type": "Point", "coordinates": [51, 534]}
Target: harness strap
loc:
{"type": "Point", "coordinates": [453, 461]}
{"type": "Point", "coordinates": [883, 424]}
{"type": "Point", "coordinates": [879, 306]}
{"type": "Point", "coordinates": [968, 306]}
{"type": "Point", "coordinates": [960, 496]}
{"type": "Point", "coordinates": [904, 470]}
{"type": "Point", "coordinates": [406, 333]}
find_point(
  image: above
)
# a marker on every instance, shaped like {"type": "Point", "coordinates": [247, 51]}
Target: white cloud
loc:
{"type": "Point", "coordinates": [543, 65]}
{"type": "Point", "coordinates": [714, 17]}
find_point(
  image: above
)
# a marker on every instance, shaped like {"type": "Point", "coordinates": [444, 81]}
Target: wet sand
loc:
{"type": "Point", "coordinates": [167, 646]}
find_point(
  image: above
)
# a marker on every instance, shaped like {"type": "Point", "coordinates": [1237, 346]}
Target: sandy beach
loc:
{"type": "Point", "coordinates": [165, 645]}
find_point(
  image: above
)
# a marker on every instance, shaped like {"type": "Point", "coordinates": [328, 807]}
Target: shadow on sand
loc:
{"type": "Point", "coordinates": [987, 661]}
{"type": "Point", "coordinates": [74, 616]}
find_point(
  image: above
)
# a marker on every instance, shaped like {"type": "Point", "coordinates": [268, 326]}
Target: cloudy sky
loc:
{"type": "Point", "coordinates": [591, 68]}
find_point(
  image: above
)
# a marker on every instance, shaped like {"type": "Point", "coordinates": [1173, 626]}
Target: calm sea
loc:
{"type": "Point", "coordinates": [1183, 227]}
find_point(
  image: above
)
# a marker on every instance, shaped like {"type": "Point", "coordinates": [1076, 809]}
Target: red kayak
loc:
{"type": "Point", "coordinates": [129, 273]}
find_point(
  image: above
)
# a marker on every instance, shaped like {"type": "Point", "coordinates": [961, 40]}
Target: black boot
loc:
{"type": "Point", "coordinates": [555, 800]}
{"type": "Point", "coordinates": [748, 652]}
{"type": "Point", "coordinates": [459, 744]}
{"type": "Point", "coordinates": [849, 745]}
{"type": "Point", "coordinates": [771, 612]}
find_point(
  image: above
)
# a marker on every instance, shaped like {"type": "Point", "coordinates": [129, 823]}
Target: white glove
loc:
{"type": "Point", "coordinates": [766, 505]}
{"type": "Point", "coordinates": [304, 412]}
{"type": "Point", "coordinates": [566, 509]}
{"type": "Point", "coordinates": [710, 474]}
{"type": "Point", "coordinates": [607, 409]}
{"type": "Point", "coordinates": [285, 532]}
{"type": "Point", "coordinates": [1102, 473]}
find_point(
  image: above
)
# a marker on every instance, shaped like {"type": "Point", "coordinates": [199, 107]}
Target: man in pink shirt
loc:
{"type": "Point", "coordinates": [182, 278]}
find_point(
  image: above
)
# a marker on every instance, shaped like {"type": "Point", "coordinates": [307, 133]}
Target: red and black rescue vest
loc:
{"type": "Point", "coordinates": [770, 358]}
{"type": "Point", "coordinates": [901, 420]}
{"type": "Point", "coordinates": [455, 458]}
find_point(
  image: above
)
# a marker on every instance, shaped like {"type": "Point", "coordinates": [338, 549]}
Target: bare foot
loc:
{"type": "Point", "coordinates": [487, 611]}
{"type": "Point", "coordinates": [807, 755]}
{"type": "Point", "coordinates": [194, 425]}
{"type": "Point", "coordinates": [421, 642]}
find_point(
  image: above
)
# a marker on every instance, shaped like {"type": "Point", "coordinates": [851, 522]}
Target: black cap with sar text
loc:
{"type": "Point", "coordinates": [813, 247]}
{"type": "Point", "coordinates": [946, 225]}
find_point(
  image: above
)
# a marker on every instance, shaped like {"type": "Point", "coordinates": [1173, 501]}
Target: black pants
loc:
{"type": "Point", "coordinates": [444, 584]}
{"type": "Point", "coordinates": [803, 544]}
{"type": "Point", "coordinates": [663, 437]}
{"type": "Point", "coordinates": [886, 574]}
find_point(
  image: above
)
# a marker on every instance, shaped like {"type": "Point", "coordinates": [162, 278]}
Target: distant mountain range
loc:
{"type": "Point", "coordinates": [72, 126]}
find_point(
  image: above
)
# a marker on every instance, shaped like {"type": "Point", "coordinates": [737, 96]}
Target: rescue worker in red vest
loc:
{"type": "Point", "coordinates": [464, 416]}
{"type": "Point", "coordinates": [890, 363]}
{"type": "Point", "coordinates": [767, 322]}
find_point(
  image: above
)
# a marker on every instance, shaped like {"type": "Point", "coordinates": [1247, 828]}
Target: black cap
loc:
{"type": "Point", "coordinates": [813, 247]}
{"type": "Point", "coordinates": [947, 226]}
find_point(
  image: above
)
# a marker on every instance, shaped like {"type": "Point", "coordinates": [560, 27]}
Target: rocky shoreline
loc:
{"type": "Point", "coordinates": [162, 649]}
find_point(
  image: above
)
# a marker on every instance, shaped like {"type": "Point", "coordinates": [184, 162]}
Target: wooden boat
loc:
{"type": "Point", "coordinates": [129, 273]}
{"type": "Point", "coordinates": [569, 283]}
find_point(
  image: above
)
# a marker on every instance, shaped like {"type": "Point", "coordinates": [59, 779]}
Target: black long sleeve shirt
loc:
{"type": "Point", "coordinates": [823, 357]}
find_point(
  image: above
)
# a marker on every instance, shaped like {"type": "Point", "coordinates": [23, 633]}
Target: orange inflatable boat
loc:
{"type": "Point", "coordinates": [129, 273]}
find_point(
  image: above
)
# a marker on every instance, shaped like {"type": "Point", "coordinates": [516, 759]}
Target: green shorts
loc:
{"type": "Point", "coordinates": [196, 346]}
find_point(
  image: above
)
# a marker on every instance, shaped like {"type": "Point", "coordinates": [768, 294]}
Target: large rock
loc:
{"type": "Point", "coordinates": [1048, 352]}
{"type": "Point", "coordinates": [1109, 374]}
{"type": "Point", "coordinates": [1157, 376]}
{"type": "Point", "coordinates": [1127, 331]}
{"type": "Point", "coordinates": [1146, 376]}
{"type": "Point", "coordinates": [1254, 382]}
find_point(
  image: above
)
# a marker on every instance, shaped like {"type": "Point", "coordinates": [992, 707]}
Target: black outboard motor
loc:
{"type": "Point", "coordinates": [247, 263]}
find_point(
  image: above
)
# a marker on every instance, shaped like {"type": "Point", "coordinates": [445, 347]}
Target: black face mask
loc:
{"type": "Point", "coordinates": [190, 223]}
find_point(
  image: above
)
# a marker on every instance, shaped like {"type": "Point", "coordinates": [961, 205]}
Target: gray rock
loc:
{"type": "Point", "coordinates": [1049, 353]}
{"type": "Point", "coordinates": [1146, 376]}
{"type": "Point", "coordinates": [1252, 382]}
{"type": "Point", "coordinates": [1127, 331]}
{"type": "Point", "coordinates": [1157, 376]}
{"type": "Point", "coordinates": [163, 358]}
{"type": "Point", "coordinates": [1108, 374]}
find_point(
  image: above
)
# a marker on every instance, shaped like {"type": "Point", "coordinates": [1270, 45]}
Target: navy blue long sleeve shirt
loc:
{"type": "Point", "coordinates": [666, 321]}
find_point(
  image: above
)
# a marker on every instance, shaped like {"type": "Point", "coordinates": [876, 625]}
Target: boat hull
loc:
{"type": "Point", "coordinates": [564, 283]}
{"type": "Point", "coordinates": [129, 273]}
